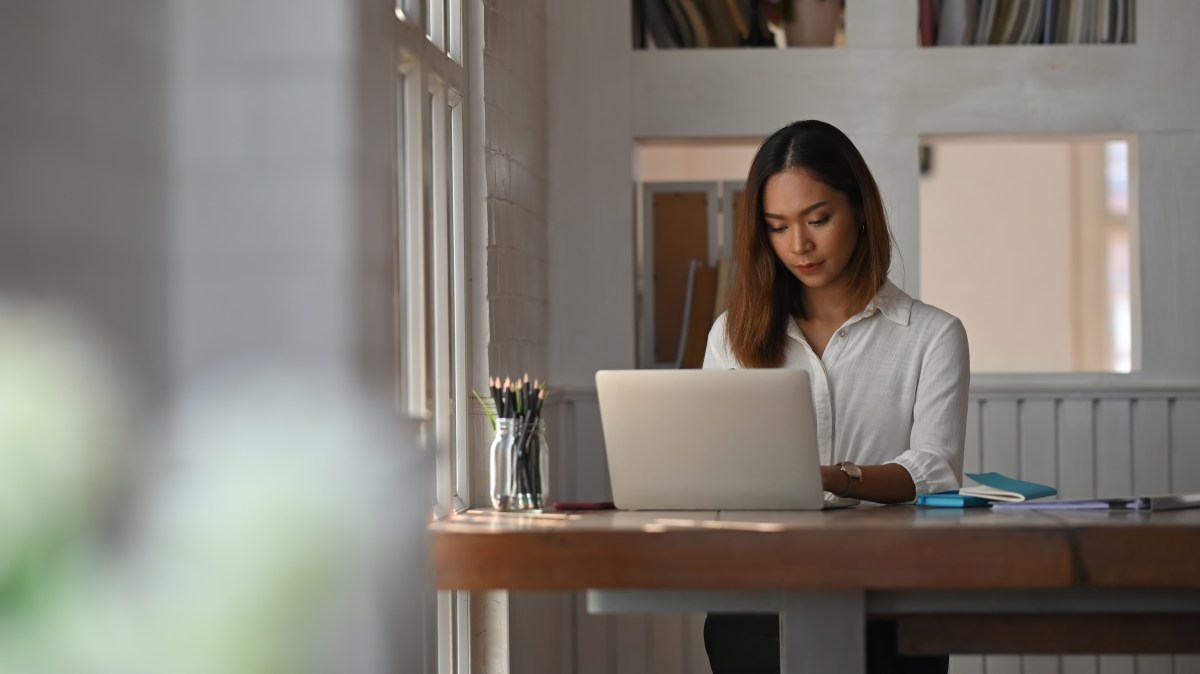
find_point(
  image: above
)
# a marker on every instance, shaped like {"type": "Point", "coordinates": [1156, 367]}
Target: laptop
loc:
{"type": "Point", "coordinates": [710, 439]}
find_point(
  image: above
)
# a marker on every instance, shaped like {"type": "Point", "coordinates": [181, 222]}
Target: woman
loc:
{"type": "Point", "coordinates": [889, 373]}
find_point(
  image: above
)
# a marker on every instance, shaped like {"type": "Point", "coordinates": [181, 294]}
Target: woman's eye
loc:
{"type": "Point", "coordinates": [775, 229]}
{"type": "Point", "coordinates": [820, 222]}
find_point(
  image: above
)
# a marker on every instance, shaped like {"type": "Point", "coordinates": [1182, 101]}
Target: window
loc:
{"type": "Point", "coordinates": [431, 182]}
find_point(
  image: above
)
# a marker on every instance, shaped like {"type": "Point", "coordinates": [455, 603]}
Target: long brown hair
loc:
{"type": "Point", "coordinates": [765, 294]}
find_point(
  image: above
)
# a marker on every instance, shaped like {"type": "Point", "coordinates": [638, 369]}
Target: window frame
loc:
{"type": "Point", "coordinates": [433, 362]}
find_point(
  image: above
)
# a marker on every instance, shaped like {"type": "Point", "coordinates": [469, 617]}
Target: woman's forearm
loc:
{"type": "Point", "coordinates": [886, 483]}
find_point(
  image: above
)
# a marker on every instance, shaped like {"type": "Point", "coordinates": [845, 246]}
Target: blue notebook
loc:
{"type": "Point", "coordinates": [952, 499]}
{"type": "Point", "coordinates": [997, 487]}
{"type": "Point", "coordinates": [990, 488]}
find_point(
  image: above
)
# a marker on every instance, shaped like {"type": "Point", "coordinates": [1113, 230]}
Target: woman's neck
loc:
{"type": "Point", "coordinates": [830, 304]}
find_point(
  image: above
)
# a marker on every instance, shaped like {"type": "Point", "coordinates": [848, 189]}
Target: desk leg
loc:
{"type": "Point", "coordinates": [822, 632]}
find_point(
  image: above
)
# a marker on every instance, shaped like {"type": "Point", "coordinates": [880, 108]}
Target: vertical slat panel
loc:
{"type": "Point", "coordinates": [1001, 453]}
{"type": "Point", "coordinates": [1039, 463]}
{"type": "Point", "coordinates": [972, 450]}
{"type": "Point", "coordinates": [560, 434]}
{"type": "Point", "coordinates": [1002, 664]}
{"type": "Point", "coordinates": [1185, 445]}
{"type": "Point", "coordinates": [633, 647]}
{"type": "Point", "coordinates": [1114, 451]}
{"type": "Point", "coordinates": [1153, 664]}
{"type": "Point", "coordinates": [966, 664]}
{"type": "Point", "coordinates": [595, 637]}
{"type": "Point", "coordinates": [1076, 479]}
{"type": "Point", "coordinates": [666, 644]}
{"type": "Point", "coordinates": [1117, 664]}
{"type": "Point", "coordinates": [1079, 664]}
{"type": "Point", "coordinates": [1114, 467]}
{"type": "Point", "coordinates": [972, 463]}
{"type": "Point", "coordinates": [1000, 437]}
{"type": "Point", "coordinates": [1039, 442]}
{"type": "Point", "coordinates": [1039, 664]}
{"type": "Point", "coordinates": [566, 615]}
{"type": "Point", "coordinates": [591, 464]}
{"type": "Point", "coordinates": [540, 639]}
{"type": "Point", "coordinates": [1151, 447]}
{"type": "Point", "coordinates": [1076, 449]}
{"type": "Point", "coordinates": [1151, 475]}
{"type": "Point", "coordinates": [1185, 477]}
{"type": "Point", "coordinates": [695, 657]}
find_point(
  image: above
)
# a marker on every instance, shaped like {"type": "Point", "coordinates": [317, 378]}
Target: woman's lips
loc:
{"type": "Point", "coordinates": [809, 268]}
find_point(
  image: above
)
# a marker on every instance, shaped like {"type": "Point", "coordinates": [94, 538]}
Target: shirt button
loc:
{"type": "Point", "coordinates": [842, 333]}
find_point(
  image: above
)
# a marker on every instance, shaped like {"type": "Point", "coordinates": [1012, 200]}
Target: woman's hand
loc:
{"type": "Point", "coordinates": [834, 481]}
{"type": "Point", "coordinates": [887, 483]}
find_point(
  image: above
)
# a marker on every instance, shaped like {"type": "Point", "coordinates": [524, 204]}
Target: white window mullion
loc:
{"type": "Point", "coordinates": [443, 335]}
{"type": "Point", "coordinates": [435, 13]}
{"type": "Point", "coordinates": [458, 229]}
{"type": "Point", "coordinates": [435, 337]}
{"type": "Point", "coordinates": [454, 29]}
{"type": "Point", "coordinates": [413, 227]}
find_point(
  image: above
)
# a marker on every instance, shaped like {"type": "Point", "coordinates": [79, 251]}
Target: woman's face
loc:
{"type": "Point", "coordinates": [811, 226]}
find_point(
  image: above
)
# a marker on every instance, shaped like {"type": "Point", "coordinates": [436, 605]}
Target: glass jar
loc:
{"type": "Point", "coordinates": [520, 475]}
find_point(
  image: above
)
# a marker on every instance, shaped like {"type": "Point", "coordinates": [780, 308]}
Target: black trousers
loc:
{"type": "Point", "coordinates": [749, 644]}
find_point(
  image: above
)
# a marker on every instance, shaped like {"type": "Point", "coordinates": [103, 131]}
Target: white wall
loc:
{"type": "Point", "coordinates": [513, 631]}
{"type": "Point", "coordinates": [591, 239]}
{"type": "Point", "coordinates": [996, 250]}
{"type": "Point", "coordinates": [678, 161]}
{"type": "Point", "coordinates": [515, 166]}
{"type": "Point", "coordinates": [515, 141]}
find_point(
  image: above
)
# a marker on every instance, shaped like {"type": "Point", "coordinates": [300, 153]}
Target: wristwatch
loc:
{"type": "Point", "coordinates": [854, 477]}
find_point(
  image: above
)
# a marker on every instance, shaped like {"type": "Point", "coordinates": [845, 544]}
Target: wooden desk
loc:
{"type": "Point", "coordinates": [973, 575]}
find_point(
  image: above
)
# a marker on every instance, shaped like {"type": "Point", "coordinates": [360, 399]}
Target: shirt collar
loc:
{"type": "Point", "coordinates": [892, 302]}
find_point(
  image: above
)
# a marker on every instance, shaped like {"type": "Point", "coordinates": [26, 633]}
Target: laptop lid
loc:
{"type": "Point", "coordinates": [710, 439]}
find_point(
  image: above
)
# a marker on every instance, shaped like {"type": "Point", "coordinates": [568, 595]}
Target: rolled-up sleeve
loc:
{"type": "Point", "coordinates": [934, 458]}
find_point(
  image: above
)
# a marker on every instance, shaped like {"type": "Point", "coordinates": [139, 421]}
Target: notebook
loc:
{"type": "Point", "coordinates": [989, 488]}
{"type": "Point", "coordinates": [997, 487]}
{"type": "Point", "coordinates": [710, 439]}
{"type": "Point", "coordinates": [1152, 503]}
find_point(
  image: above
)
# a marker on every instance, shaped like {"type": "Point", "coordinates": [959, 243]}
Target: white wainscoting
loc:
{"type": "Point", "coordinates": [1094, 435]}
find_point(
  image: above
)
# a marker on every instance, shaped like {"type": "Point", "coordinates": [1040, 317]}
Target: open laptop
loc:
{"type": "Point", "coordinates": [710, 439]}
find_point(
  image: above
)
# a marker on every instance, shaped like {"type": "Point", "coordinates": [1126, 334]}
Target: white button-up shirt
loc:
{"type": "Point", "coordinates": [891, 387]}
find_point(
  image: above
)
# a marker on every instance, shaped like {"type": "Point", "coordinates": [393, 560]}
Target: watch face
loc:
{"type": "Point", "coordinates": [852, 470]}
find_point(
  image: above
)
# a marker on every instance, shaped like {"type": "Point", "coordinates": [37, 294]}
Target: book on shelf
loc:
{"type": "Point", "coordinates": [956, 22]}
{"type": "Point", "coordinates": [1012, 22]}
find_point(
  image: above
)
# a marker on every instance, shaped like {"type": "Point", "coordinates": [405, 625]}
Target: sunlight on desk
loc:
{"type": "Point", "coordinates": [665, 524]}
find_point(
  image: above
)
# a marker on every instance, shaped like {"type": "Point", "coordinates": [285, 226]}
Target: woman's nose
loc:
{"type": "Point", "coordinates": [800, 241]}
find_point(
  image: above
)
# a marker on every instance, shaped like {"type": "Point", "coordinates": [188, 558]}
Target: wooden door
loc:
{"type": "Point", "coordinates": [680, 235]}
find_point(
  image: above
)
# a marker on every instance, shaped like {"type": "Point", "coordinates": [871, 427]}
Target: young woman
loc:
{"type": "Point", "coordinates": [889, 373]}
